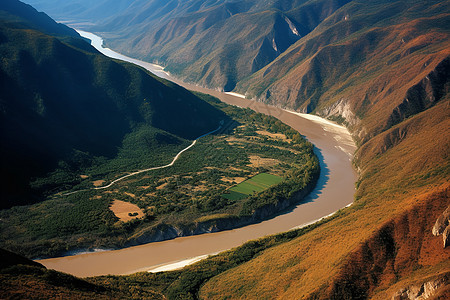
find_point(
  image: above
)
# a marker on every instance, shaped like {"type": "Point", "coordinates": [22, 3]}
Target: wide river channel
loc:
{"type": "Point", "coordinates": [335, 190]}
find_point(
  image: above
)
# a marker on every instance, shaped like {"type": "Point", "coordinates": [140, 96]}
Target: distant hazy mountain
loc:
{"type": "Point", "coordinates": [80, 10]}
{"type": "Point", "coordinates": [214, 43]}
{"type": "Point", "coordinates": [59, 95]}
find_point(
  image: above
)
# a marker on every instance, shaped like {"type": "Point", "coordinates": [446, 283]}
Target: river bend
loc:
{"type": "Point", "coordinates": [335, 190]}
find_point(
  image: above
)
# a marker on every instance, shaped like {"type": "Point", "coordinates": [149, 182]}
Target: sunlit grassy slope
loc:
{"type": "Point", "coordinates": [369, 65]}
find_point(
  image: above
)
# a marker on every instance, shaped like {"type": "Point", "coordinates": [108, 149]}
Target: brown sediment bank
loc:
{"type": "Point", "coordinates": [334, 190]}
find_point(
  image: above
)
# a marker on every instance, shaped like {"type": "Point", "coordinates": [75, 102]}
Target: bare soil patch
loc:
{"type": "Point", "coordinates": [122, 210]}
{"type": "Point", "coordinates": [256, 161]}
{"type": "Point", "coordinates": [232, 140]}
{"type": "Point", "coordinates": [233, 179]}
{"type": "Point", "coordinates": [84, 176]}
{"type": "Point", "coordinates": [200, 188]}
{"type": "Point", "coordinates": [98, 183]}
{"type": "Point", "coordinates": [160, 187]}
{"type": "Point", "coordinates": [273, 135]}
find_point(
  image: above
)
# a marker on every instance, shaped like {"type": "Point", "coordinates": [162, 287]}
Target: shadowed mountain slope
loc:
{"type": "Point", "coordinates": [60, 103]}
{"type": "Point", "coordinates": [21, 278]}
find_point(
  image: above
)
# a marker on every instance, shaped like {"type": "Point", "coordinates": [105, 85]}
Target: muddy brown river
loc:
{"type": "Point", "coordinates": [335, 190]}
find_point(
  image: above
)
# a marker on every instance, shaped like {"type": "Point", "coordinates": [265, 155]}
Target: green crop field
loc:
{"type": "Point", "coordinates": [256, 184]}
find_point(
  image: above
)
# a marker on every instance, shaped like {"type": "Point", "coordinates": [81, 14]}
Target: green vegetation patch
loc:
{"type": "Point", "coordinates": [253, 185]}
{"type": "Point", "coordinates": [265, 180]}
{"type": "Point", "coordinates": [233, 195]}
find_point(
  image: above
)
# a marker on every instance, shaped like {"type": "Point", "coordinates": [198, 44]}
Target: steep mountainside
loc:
{"type": "Point", "coordinates": [60, 102]}
{"type": "Point", "coordinates": [370, 65]}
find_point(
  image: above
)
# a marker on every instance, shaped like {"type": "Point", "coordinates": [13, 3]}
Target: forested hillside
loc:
{"type": "Point", "coordinates": [75, 123]}
{"type": "Point", "coordinates": [64, 105]}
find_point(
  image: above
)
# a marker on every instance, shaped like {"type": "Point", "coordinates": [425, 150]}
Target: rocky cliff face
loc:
{"type": "Point", "coordinates": [424, 94]}
{"type": "Point", "coordinates": [427, 290]}
{"type": "Point", "coordinates": [442, 226]}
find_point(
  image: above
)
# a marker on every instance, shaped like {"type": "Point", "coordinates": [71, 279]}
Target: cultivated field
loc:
{"type": "Point", "coordinates": [253, 185]}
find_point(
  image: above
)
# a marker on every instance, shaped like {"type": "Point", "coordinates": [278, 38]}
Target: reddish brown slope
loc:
{"type": "Point", "coordinates": [402, 247]}
{"type": "Point", "coordinates": [383, 240]}
{"type": "Point", "coordinates": [365, 65]}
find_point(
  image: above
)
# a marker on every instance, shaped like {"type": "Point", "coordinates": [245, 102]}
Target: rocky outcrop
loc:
{"type": "Point", "coordinates": [442, 226]}
{"type": "Point", "coordinates": [446, 236]}
{"type": "Point", "coordinates": [442, 222]}
{"type": "Point", "coordinates": [423, 291]}
{"type": "Point", "coordinates": [341, 109]}
{"type": "Point", "coordinates": [342, 112]}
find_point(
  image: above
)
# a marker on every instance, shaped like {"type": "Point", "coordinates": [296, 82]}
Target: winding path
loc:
{"type": "Point", "coordinates": [145, 170]}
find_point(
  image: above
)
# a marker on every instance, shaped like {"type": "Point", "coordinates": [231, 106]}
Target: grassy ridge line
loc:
{"type": "Point", "coordinates": [149, 169]}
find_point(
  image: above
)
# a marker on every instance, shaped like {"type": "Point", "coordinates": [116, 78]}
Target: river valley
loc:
{"type": "Point", "coordinates": [334, 190]}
